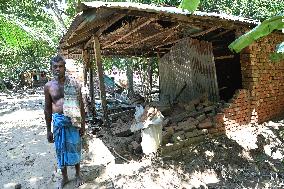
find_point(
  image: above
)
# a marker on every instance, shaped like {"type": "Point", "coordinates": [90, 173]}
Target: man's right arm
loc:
{"type": "Point", "coordinates": [48, 112]}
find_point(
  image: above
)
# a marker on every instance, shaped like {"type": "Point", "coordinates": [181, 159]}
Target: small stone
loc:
{"type": "Point", "coordinates": [18, 186]}
{"type": "Point", "coordinates": [206, 124]}
{"type": "Point", "coordinates": [201, 117]}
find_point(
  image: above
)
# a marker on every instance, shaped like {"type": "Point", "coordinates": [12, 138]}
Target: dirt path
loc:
{"type": "Point", "coordinates": [250, 157]}
{"type": "Point", "coordinates": [26, 157]}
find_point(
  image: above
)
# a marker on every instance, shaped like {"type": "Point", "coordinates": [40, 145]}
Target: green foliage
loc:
{"type": "Point", "coordinates": [256, 9]}
{"type": "Point", "coordinates": [190, 5]}
{"type": "Point", "coordinates": [27, 38]}
{"type": "Point", "coordinates": [12, 36]}
{"type": "Point", "coordinates": [279, 53]}
{"type": "Point", "coordinates": [265, 28]}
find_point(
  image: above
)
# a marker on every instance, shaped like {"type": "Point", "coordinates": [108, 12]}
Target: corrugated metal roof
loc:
{"type": "Point", "coordinates": [160, 9]}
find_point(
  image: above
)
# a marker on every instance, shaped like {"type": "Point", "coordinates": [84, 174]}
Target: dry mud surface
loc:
{"type": "Point", "coordinates": [250, 157]}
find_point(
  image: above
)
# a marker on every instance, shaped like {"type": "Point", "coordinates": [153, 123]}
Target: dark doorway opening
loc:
{"type": "Point", "coordinates": [228, 67]}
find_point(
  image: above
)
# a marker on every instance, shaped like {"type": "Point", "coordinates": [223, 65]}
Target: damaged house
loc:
{"type": "Point", "coordinates": [194, 63]}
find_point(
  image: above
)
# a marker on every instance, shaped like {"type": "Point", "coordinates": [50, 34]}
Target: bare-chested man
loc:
{"type": "Point", "coordinates": [65, 136]}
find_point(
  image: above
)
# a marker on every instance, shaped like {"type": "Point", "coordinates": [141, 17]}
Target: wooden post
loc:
{"type": "Point", "coordinates": [150, 79]}
{"type": "Point", "coordinates": [158, 61]}
{"type": "Point", "coordinates": [88, 107]}
{"type": "Point", "coordinates": [129, 75]}
{"type": "Point", "coordinates": [91, 86]}
{"type": "Point", "coordinates": [86, 61]}
{"type": "Point", "coordinates": [97, 50]}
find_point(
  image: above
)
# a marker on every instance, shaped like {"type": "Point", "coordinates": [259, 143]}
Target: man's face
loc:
{"type": "Point", "coordinates": [58, 69]}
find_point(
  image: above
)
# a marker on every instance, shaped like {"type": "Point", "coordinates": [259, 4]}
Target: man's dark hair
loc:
{"type": "Point", "coordinates": [57, 58]}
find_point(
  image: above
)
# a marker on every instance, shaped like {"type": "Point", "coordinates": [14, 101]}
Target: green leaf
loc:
{"type": "Point", "coordinates": [280, 48]}
{"type": "Point", "coordinates": [265, 28]}
{"type": "Point", "coordinates": [279, 53]}
{"type": "Point", "coordinates": [190, 5]}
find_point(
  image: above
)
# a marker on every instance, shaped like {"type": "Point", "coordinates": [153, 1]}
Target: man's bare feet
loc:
{"type": "Point", "coordinates": [79, 180]}
{"type": "Point", "coordinates": [61, 183]}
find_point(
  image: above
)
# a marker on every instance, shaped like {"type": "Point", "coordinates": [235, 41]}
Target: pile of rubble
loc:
{"type": "Point", "coordinates": [183, 124]}
{"type": "Point", "coordinates": [189, 123]}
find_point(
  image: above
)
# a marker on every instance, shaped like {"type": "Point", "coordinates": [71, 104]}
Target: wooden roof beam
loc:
{"type": "Point", "coordinates": [205, 32]}
{"type": "Point", "coordinates": [79, 38]}
{"type": "Point", "coordinates": [93, 19]}
{"type": "Point", "coordinates": [153, 36]}
{"type": "Point", "coordinates": [104, 27]}
{"type": "Point", "coordinates": [131, 32]}
{"type": "Point", "coordinates": [224, 57]}
{"type": "Point", "coordinates": [220, 34]}
{"type": "Point", "coordinates": [169, 43]}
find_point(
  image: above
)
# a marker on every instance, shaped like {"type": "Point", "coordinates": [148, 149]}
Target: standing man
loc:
{"type": "Point", "coordinates": [66, 133]}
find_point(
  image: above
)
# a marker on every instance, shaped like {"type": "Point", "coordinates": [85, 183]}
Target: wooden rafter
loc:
{"type": "Point", "coordinates": [79, 38]}
{"type": "Point", "coordinates": [168, 36]}
{"type": "Point", "coordinates": [109, 23]}
{"type": "Point", "coordinates": [205, 31]}
{"type": "Point", "coordinates": [104, 27]}
{"type": "Point", "coordinates": [220, 34]}
{"type": "Point", "coordinates": [131, 32]}
{"type": "Point", "coordinates": [168, 43]}
{"type": "Point", "coordinates": [224, 57]}
{"type": "Point", "coordinates": [93, 21]}
{"type": "Point", "coordinates": [153, 36]}
{"type": "Point", "coordinates": [88, 42]}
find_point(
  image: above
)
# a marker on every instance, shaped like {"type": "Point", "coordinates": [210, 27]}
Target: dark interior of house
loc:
{"type": "Point", "coordinates": [228, 68]}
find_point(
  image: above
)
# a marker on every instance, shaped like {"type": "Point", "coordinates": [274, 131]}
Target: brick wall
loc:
{"type": "Point", "coordinates": [262, 96]}
{"type": "Point", "coordinates": [263, 78]}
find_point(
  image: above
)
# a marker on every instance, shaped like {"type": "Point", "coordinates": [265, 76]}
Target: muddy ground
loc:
{"type": "Point", "coordinates": [250, 157]}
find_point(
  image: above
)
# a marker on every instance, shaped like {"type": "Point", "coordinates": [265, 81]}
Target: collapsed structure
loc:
{"type": "Point", "coordinates": [196, 68]}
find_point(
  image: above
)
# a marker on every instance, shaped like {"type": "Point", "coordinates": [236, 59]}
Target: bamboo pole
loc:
{"type": "Point", "coordinates": [97, 50]}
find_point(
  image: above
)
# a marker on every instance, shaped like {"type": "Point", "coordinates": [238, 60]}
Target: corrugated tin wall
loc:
{"type": "Point", "coordinates": [188, 71]}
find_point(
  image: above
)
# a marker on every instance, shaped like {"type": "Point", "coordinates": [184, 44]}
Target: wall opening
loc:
{"type": "Point", "coordinates": [228, 67]}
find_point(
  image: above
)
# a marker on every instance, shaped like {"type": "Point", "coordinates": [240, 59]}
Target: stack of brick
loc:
{"type": "Point", "coordinates": [189, 127]}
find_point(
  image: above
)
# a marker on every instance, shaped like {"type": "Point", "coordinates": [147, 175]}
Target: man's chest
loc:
{"type": "Point", "coordinates": [56, 92]}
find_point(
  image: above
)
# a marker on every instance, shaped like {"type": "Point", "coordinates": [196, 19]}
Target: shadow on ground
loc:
{"type": "Point", "coordinates": [214, 163]}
